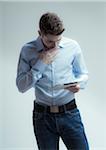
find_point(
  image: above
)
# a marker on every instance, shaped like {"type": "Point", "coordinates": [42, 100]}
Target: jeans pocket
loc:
{"type": "Point", "coordinates": [37, 116]}
{"type": "Point", "coordinates": [73, 112]}
{"type": "Point", "coordinates": [75, 118]}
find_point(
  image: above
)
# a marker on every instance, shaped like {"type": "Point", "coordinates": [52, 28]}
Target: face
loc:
{"type": "Point", "coordinates": [50, 41]}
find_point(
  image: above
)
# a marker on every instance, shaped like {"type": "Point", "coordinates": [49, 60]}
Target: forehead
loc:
{"type": "Point", "coordinates": [53, 37]}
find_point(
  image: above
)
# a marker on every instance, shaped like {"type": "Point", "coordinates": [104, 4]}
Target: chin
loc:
{"type": "Point", "coordinates": [48, 48]}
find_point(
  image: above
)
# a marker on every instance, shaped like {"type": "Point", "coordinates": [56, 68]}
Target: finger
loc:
{"type": "Point", "coordinates": [51, 55]}
{"type": "Point", "coordinates": [73, 89]}
{"type": "Point", "coordinates": [53, 51]}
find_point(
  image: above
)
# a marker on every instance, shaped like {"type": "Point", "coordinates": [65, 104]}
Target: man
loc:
{"type": "Point", "coordinates": [49, 64]}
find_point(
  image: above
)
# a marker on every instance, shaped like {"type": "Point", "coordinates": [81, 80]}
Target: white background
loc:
{"type": "Point", "coordinates": [85, 22]}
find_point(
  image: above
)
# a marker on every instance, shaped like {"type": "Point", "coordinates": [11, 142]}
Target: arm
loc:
{"type": "Point", "coordinates": [27, 76]}
{"type": "Point", "coordinates": [79, 68]}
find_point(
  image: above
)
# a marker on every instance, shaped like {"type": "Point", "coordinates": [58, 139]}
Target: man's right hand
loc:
{"type": "Point", "coordinates": [48, 56]}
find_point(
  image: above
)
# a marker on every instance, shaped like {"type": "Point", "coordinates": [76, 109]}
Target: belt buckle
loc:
{"type": "Point", "coordinates": [54, 109]}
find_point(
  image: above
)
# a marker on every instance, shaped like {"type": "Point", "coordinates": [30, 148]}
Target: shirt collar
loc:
{"type": "Point", "coordinates": [40, 45]}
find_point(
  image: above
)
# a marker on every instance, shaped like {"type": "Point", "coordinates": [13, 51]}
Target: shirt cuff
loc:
{"type": "Point", "coordinates": [39, 66]}
{"type": "Point", "coordinates": [82, 81]}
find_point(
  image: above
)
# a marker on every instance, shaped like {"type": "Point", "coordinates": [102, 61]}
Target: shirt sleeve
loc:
{"type": "Point", "coordinates": [27, 76]}
{"type": "Point", "coordinates": [79, 68]}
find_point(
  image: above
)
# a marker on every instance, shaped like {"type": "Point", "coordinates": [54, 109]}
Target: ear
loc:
{"type": "Point", "coordinates": [39, 32]}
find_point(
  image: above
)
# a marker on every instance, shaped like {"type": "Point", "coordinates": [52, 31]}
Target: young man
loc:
{"type": "Point", "coordinates": [49, 64]}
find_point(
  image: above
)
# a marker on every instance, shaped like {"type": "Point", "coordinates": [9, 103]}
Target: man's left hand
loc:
{"type": "Point", "coordinates": [74, 88]}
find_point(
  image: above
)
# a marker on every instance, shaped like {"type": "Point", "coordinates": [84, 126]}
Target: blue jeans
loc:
{"type": "Point", "coordinates": [49, 127]}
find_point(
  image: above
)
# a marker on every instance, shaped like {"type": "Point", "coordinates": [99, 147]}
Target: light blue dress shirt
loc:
{"type": "Point", "coordinates": [68, 66]}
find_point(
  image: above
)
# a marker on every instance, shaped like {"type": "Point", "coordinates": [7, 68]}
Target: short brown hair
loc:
{"type": "Point", "coordinates": [50, 23]}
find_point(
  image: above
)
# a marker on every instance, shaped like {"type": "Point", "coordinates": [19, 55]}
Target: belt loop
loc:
{"type": "Point", "coordinates": [65, 108]}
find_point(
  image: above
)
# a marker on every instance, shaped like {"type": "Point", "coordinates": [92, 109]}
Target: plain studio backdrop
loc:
{"type": "Point", "coordinates": [85, 22]}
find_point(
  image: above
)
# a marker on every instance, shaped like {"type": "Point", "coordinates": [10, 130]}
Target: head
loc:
{"type": "Point", "coordinates": [51, 29]}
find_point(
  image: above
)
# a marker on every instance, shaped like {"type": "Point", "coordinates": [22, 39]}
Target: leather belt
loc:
{"type": "Point", "coordinates": [55, 109]}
